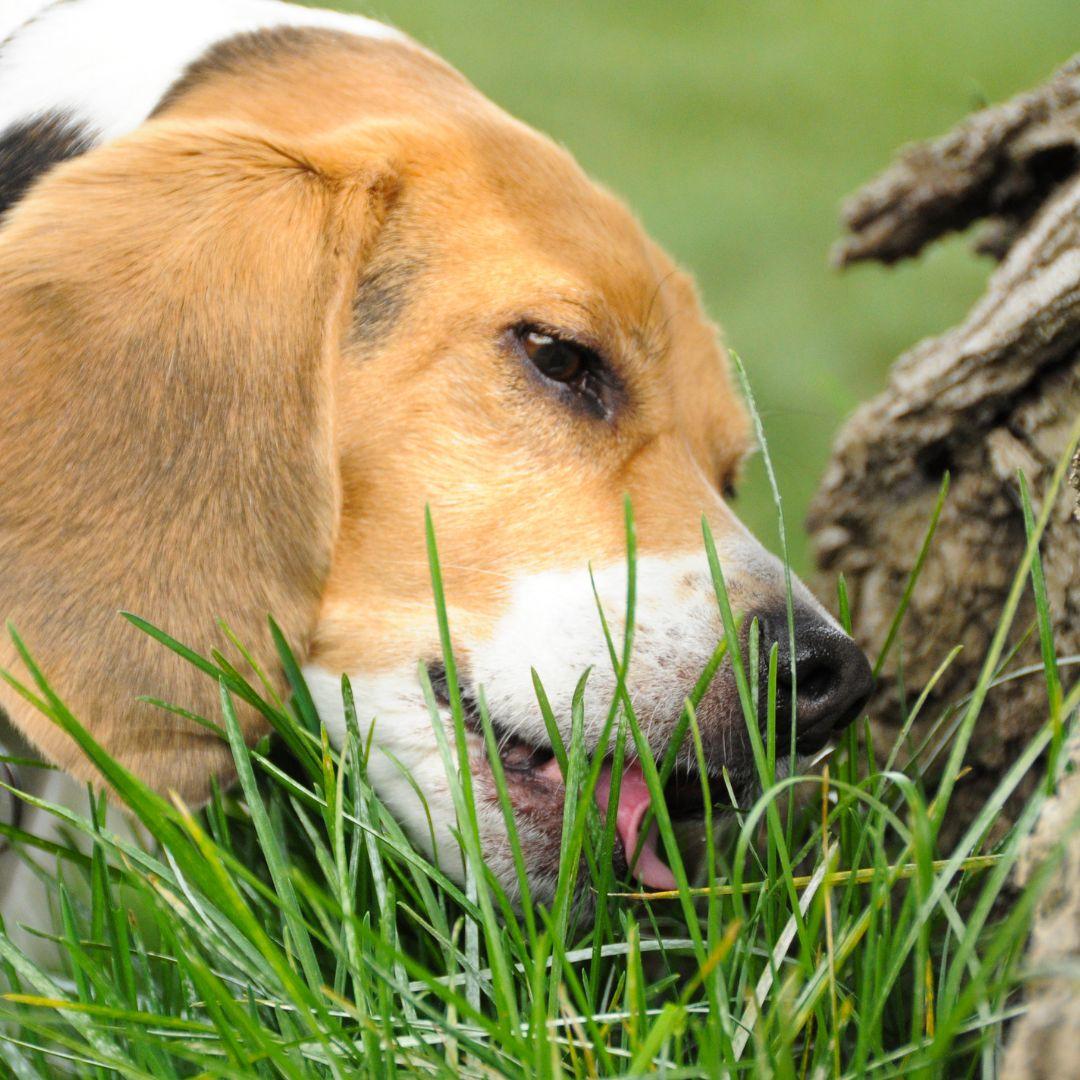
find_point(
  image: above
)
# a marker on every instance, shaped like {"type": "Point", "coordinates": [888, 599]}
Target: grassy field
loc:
{"type": "Point", "coordinates": [734, 129]}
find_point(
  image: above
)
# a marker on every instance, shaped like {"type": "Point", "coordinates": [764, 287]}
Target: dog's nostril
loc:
{"type": "Point", "coordinates": [814, 679]}
{"type": "Point", "coordinates": [832, 676]}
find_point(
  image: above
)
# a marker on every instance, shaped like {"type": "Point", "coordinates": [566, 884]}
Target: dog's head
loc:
{"type": "Point", "coordinates": [243, 349]}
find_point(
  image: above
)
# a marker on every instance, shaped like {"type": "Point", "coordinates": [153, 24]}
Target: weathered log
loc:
{"type": "Point", "coordinates": [999, 165]}
{"type": "Point", "coordinates": [1045, 1042]}
{"type": "Point", "coordinates": [1074, 476]}
{"type": "Point", "coordinates": [997, 394]}
{"type": "Point", "coordinates": [994, 395]}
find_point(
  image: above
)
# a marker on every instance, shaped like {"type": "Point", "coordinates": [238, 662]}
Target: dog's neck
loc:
{"type": "Point", "coordinates": [100, 67]}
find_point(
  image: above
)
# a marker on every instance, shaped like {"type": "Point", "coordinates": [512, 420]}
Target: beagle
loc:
{"type": "Point", "coordinates": [272, 281]}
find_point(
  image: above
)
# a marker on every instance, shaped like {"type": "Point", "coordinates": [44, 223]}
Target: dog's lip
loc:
{"type": "Point", "coordinates": [536, 786]}
{"type": "Point", "coordinates": [518, 757]}
{"type": "Point", "coordinates": [537, 763]}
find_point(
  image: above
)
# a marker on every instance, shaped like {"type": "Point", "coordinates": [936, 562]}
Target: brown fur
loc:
{"type": "Point", "coordinates": [209, 408]}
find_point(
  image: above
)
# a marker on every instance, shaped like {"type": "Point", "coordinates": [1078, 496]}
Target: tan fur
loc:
{"type": "Point", "coordinates": [192, 427]}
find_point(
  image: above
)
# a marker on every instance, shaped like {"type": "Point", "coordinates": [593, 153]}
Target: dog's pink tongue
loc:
{"type": "Point", "coordinates": [634, 800]}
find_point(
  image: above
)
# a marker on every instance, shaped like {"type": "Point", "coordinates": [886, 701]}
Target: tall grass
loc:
{"type": "Point", "coordinates": [292, 929]}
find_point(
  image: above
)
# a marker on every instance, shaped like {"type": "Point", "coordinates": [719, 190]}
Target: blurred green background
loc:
{"type": "Point", "coordinates": [734, 129]}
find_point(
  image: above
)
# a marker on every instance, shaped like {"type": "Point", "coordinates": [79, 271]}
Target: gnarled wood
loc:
{"type": "Point", "coordinates": [994, 395]}
{"type": "Point", "coordinates": [997, 394]}
{"type": "Point", "coordinates": [999, 165]}
{"type": "Point", "coordinates": [1074, 476]}
{"type": "Point", "coordinates": [1045, 1042]}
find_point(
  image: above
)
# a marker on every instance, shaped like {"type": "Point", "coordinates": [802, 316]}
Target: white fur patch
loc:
{"type": "Point", "coordinates": [403, 742]}
{"type": "Point", "coordinates": [109, 62]}
{"type": "Point", "coordinates": [552, 624]}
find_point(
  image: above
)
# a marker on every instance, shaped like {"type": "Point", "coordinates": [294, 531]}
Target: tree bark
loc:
{"type": "Point", "coordinates": [1074, 476]}
{"type": "Point", "coordinates": [1045, 1042]}
{"type": "Point", "coordinates": [998, 393]}
{"type": "Point", "coordinates": [999, 165]}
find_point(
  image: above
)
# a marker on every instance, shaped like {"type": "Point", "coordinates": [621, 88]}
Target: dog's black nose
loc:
{"type": "Point", "coordinates": [832, 677]}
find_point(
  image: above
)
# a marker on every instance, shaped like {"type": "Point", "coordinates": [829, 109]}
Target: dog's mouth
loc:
{"type": "Point", "coordinates": [537, 790]}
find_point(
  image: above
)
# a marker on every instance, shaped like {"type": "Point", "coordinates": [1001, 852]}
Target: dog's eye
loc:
{"type": "Point", "coordinates": [728, 489]}
{"type": "Point", "coordinates": [562, 361]}
{"type": "Point", "coordinates": [579, 369]}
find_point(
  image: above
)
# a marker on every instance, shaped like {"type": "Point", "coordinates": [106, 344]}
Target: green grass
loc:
{"type": "Point", "coordinates": [291, 929]}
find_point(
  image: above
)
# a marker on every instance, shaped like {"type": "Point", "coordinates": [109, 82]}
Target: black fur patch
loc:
{"type": "Point", "coordinates": [30, 148]}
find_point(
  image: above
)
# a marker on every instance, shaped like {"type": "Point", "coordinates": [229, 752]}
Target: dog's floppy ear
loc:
{"type": "Point", "coordinates": [171, 308]}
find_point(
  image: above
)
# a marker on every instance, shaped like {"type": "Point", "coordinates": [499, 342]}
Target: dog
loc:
{"type": "Point", "coordinates": [273, 281]}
